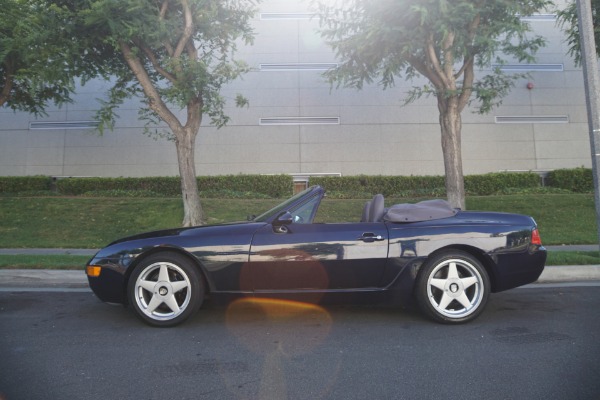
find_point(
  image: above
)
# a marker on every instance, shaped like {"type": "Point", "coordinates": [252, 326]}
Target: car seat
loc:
{"type": "Point", "coordinates": [377, 208]}
{"type": "Point", "coordinates": [366, 212]}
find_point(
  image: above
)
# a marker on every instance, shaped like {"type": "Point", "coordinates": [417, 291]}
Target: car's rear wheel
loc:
{"type": "Point", "coordinates": [165, 289]}
{"type": "Point", "coordinates": [452, 287]}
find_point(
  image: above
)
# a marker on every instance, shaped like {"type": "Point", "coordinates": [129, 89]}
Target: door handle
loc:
{"type": "Point", "coordinates": [369, 237]}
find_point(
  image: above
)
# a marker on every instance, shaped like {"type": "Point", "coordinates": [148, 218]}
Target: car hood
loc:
{"type": "Point", "coordinates": [182, 238]}
{"type": "Point", "coordinates": [176, 232]}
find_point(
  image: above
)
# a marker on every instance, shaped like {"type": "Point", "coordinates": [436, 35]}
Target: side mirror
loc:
{"type": "Point", "coordinates": [280, 224]}
{"type": "Point", "coordinates": [285, 218]}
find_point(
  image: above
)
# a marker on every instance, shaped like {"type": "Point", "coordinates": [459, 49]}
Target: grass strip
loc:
{"type": "Point", "coordinates": [75, 222]}
{"type": "Point", "coordinates": [573, 258]}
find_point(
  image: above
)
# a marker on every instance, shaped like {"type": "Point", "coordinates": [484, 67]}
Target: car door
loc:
{"type": "Point", "coordinates": [306, 256]}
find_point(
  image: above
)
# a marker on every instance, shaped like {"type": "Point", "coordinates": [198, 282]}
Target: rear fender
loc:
{"type": "Point", "coordinates": [484, 258]}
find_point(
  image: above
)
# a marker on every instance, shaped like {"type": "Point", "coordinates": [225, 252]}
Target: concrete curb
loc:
{"type": "Point", "coordinates": [42, 278]}
{"type": "Point", "coordinates": [570, 273]}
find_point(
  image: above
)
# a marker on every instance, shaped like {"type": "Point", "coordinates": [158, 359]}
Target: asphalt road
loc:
{"type": "Point", "coordinates": [530, 343]}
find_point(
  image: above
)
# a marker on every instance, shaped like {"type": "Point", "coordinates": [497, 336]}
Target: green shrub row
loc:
{"type": "Point", "coordinates": [577, 180]}
{"type": "Point", "coordinates": [366, 186]}
{"type": "Point", "coordinates": [225, 186]}
{"type": "Point", "coordinates": [423, 186]}
{"type": "Point", "coordinates": [488, 184]}
{"type": "Point", "coordinates": [275, 186]}
{"type": "Point", "coordinates": [18, 184]}
{"type": "Point", "coordinates": [168, 186]}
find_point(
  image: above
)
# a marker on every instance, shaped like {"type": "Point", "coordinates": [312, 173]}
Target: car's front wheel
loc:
{"type": "Point", "coordinates": [452, 287]}
{"type": "Point", "coordinates": [165, 289]}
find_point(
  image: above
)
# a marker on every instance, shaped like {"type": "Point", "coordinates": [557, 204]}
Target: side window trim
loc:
{"type": "Point", "coordinates": [317, 201]}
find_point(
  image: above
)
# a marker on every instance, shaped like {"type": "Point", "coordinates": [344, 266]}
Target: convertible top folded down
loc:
{"type": "Point", "coordinates": [422, 211]}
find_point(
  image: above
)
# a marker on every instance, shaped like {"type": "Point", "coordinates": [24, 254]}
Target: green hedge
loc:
{"type": "Point", "coordinates": [493, 183]}
{"type": "Point", "coordinates": [167, 186]}
{"type": "Point", "coordinates": [386, 185]}
{"type": "Point", "coordinates": [18, 184]}
{"type": "Point", "coordinates": [275, 186]}
{"type": "Point", "coordinates": [578, 180]}
{"type": "Point", "coordinates": [423, 186]}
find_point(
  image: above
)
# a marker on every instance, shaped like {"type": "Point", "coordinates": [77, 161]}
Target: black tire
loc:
{"type": "Point", "coordinates": [452, 287]}
{"type": "Point", "coordinates": [165, 289]}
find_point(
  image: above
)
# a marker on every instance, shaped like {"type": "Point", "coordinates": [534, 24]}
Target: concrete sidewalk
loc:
{"type": "Point", "coordinates": [32, 278]}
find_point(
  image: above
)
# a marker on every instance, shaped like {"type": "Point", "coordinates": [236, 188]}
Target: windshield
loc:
{"type": "Point", "coordinates": [281, 207]}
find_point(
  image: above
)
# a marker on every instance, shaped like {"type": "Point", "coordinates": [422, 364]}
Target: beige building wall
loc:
{"type": "Point", "coordinates": [296, 124]}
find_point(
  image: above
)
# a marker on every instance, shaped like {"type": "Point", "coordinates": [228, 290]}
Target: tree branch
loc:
{"type": "Point", "coordinates": [449, 57]}
{"type": "Point", "coordinates": [471, 35]}
{"type": "Point", "coordinates": [8, 84]}
{"type": "Point", "coordinates": [191, 50]}
{"type": "Point", "coordinates": [434, 61]}
{"type": "Point", "coordinates": [188, 29]}
{"type": "Point", "coordinates": [152, 57]}
{"type": "Point", "coordinates": [426, 71]}
{"type": "Point", "coordinates": [161, 16]}
{"type": "Point", "coordinates": [194, 114]}
{"type": "Point", "coordinates": [467, 87]}
{"type": "Point", "coordinates": [163, 9]}
{"type": "Point", "coordinates": [468, 65]}
{"type": "Point", "coordinates": [154, 100]}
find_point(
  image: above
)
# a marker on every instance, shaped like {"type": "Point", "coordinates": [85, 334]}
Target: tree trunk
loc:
{"type": "Point", "coordinates": [185, 136]}
{"type": "Point", "coordinates": [192, 209]}
{"type": "Point", "coordinates": [8, 83]}
{"type": "Point", "coordinates": [451, 123]}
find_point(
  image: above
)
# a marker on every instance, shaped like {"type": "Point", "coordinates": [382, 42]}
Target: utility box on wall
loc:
{"type": "Point", "coordinates": [300, 183]}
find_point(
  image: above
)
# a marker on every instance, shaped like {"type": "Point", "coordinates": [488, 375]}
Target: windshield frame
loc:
{"type": "Point", "coordinates": [290, 204]}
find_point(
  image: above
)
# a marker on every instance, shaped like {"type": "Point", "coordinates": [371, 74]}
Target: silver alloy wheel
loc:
{"type": "Point", "coordinates": [163, 291]}
{"type": "Point", "coordinates": [455, 288]}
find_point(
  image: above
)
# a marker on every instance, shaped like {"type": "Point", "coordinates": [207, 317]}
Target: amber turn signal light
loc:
{"type": "Point", "coordinates": [93, 271]}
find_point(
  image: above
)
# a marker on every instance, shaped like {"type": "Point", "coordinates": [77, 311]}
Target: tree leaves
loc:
{"type": "Point", "coordinates": [441, 40]}
{"type": "Point", "coordinates": [567, 20]}
{"type": "Point", "coordinates": [34, 60]}
{"type": "Point", "coordinates": [182, 49]}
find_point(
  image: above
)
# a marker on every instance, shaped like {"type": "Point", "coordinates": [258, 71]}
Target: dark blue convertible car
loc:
{"type": "Point", "coordinates": [448, 261]}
